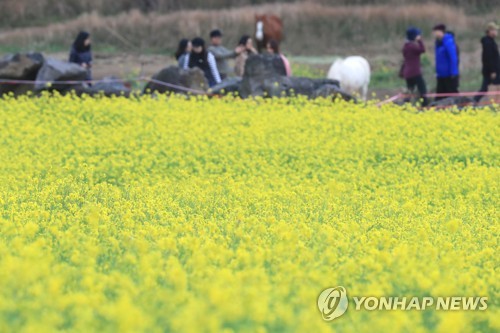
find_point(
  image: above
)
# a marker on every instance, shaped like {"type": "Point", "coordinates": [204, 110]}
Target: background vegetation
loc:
{"type": "Point", "coordinates": [23, 12]}
{"type": "Point", "coordinates": [374, 29]}
{"type": "Point", "coordinates": [312, 27]}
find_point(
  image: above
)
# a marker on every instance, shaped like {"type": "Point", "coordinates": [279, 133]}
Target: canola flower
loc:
{"type": "Point", "coordinates": [194, 215]}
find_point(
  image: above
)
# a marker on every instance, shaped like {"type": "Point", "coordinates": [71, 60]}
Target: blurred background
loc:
{"type": "Point", "coordinates": [132, 37]}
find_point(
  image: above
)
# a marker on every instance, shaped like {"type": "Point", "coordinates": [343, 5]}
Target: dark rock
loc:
{"type": "Point", "coordinates": [461, 101]}
{"type": "Point", "coordinates": [19, 67]}
{"type": "Point", "coordinates": [191, 79]}
{"type": "Point", "coordinates": [228, 86]}
{"type": "Point", "coordinates": [334, 91]}
{"type": "Point", "coordinates": [265, 76]}
{"type": "Point", "coordinates": [261, 71]}
{"type": "Point", "coordinates": [57, 70]}
{"type": "Point", "coordinates": [110, 86]}
{"type": "Point", "coordinates": [262, 65]}
{"type": "Point", "coordinates": [289, 86]}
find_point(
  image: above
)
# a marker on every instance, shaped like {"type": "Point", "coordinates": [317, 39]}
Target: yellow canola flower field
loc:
{"type": "Point", "coordinates": [173, 215]}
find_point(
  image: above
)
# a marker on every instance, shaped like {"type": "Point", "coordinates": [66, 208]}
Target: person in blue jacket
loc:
{"type": "Point", "coordinates": [81, 52]}
{"type": "Point", "coordinates": [447, 71]}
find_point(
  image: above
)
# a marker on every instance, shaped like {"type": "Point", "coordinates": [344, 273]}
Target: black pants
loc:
{"type": "Point", "coordinates": [446, 85]}
{"type": "Point", "coordinates": [484, 86]}
{"type": "Point", "coordinates": [419, 83]}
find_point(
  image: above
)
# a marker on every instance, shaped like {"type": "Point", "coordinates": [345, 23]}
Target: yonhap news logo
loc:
{"type": "Point", "coordinates": [333, 303]}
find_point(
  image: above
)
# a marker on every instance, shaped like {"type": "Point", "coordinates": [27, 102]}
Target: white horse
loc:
{"type": "Point", "coordinates": [353, 73]}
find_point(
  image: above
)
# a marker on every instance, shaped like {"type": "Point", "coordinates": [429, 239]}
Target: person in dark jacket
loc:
{"type": "Point", "coordinates": [412, 68]}
{"type": "Point", "coordinates": [183, 50]}
{"type": "Point", "coordinates": [81, 52]}
{"type": "Point", "coordinates": [447, 71]}
{"type": "Point", "coordinates": [490, 59]}
{"type": "Point", "coordinates": [201, 58]}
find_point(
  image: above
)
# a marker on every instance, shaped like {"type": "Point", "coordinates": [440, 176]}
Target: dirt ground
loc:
{"type": "Point", "coordinates": [126, 66]}
{"type": "Point", "coordinates": [130, 66]}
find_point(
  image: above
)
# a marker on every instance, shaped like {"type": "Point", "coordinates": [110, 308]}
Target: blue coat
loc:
{"type": "Point", "coordinates": [82, 57]}
{"type": "Point", "coordinates": [446, 57]}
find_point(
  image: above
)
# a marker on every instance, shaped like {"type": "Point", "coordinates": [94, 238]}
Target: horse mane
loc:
{"type": "Point", "coordinates": [268, 17]}
{"type": "Point", "coordinates": [277, 18]}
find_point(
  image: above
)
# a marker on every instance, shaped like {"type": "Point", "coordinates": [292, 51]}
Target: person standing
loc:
{"type": "Point", "coordinates": [201, 58]}
{"type": "Point", "coordinates": [447, 71]}
{"type": "Point", "coordinates": [81, 53]}
{"type": "Point", "coordinates": [273, 47]}
{"type": "Point", "coordinates": [246, 45]}
{"type": "Point", "coordinates": [412, 67]}
{"type": "Point", "coordinates": [221, 54]}
{"type": "Point", "coordinates": [183, 50]}
{"type": "Point", "coordinates": [490, 59]}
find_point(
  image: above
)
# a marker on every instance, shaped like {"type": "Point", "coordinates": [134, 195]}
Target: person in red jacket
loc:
{"type": "Point", "coordinates": [412, 67]}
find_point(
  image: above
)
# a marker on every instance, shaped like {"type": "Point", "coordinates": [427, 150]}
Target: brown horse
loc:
{"type": "Point", "coordinates": [267, 27]}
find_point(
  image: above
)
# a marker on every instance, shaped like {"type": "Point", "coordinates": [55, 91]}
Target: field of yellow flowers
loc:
{"type": "Point", "coordinates": [174, 215]}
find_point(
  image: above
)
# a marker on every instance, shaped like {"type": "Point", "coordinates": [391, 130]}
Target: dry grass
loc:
{"type": "Point", "coordinates": [311, 28]}
{"type": "Point", "coordinates": [23, 12]}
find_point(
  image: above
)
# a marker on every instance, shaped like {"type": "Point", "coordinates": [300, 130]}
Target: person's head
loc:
{"type": "Point", "coordinates": [216, 37]}
{"type": "Point", "coordinates": [492, 29]}
{"type": "Point", "coordinates": [82, 41]}
{"type": "Point", "coordinates": [246, 41]}
{"type": "Point", "coordinates": [412, 34]}
{"type": "Point", "coordinates": [198, 45]}
{"type": "Point", "coordinates": [273, 47]}
{"type": "Point", "coordinates": [439, 31]}
{"type": "Point", "coordinates": [184, 47]}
